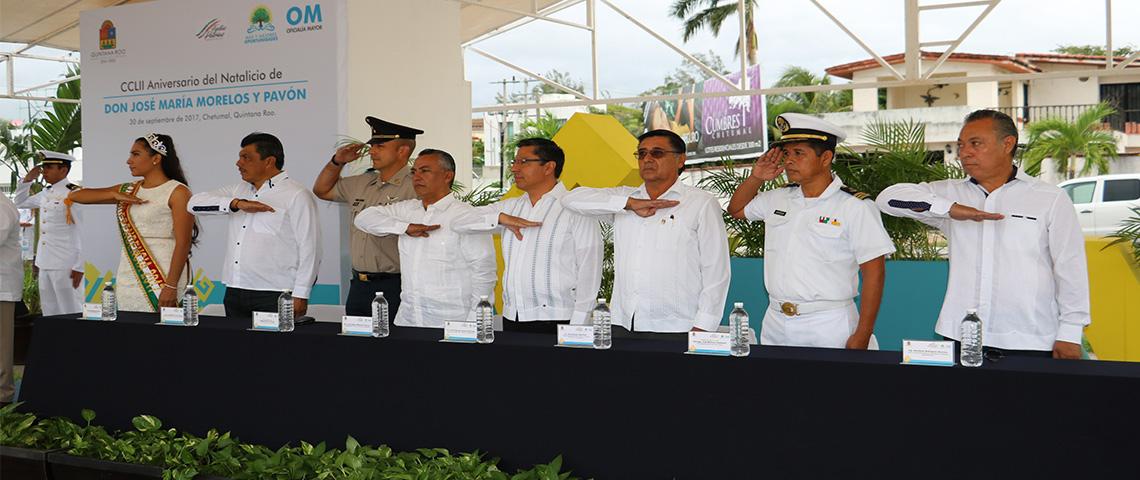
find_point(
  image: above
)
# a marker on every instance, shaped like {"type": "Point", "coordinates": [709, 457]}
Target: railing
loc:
{"type": "Point", "coordinates": [1024, 115]}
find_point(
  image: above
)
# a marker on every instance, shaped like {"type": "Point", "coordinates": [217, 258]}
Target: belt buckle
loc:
{"type": "Point", "coordinates": [789, 309]}
{"type": "Point", "coordinates": [362, 277]}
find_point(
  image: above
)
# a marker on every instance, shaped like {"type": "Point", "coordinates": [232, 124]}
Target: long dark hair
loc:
{"type": "Point", "coordinates": [172, 168]}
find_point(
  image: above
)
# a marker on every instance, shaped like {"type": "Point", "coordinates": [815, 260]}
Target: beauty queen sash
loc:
{"type": "Point", "coordinates": [146, 269]}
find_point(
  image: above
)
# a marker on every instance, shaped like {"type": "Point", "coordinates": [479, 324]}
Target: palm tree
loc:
{"type": "Point", "coordinates": [812, 102]}
{"type": "Point", "coordinates": [1062, 140]}
{"type": "Point", "coordinates": [60, 129]}
{"type": "Point", "coordinates": [15, 150]}
{"type": "Point", "coordinates": [713, 17]}
{"type": "Point", "coordinates": [1129, 232]}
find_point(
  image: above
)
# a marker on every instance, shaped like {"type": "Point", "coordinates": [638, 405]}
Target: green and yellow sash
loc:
{"type": "Point", "coordinates": [146, 269]}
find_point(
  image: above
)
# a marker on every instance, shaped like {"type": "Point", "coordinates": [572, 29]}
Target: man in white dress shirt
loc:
{"type": "Point", "coordinates": [671, 269]}
{"type": "Point", "coordinates": [11, 292]}
{"type": "Point", "coordinates": [553, 256]}
{"type": "Point", "coordinates": [58, 253]}
{"type": "Point", "coordinates": [274, 238]}
{"type": "Point", "coordinates": [443, 273]}
{"type": "Point", "coordinates": [820, 236]}
{"type": "Point", "coordinates": [1017, 255]}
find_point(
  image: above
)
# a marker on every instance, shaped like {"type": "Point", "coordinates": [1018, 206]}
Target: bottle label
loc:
{"type": "Point", "coordinates": [269, 321]}
{"type": "Point", "coordinates": [927, 352]}
{"type": "Point", "coordinates": [459, 332]}
{"type": "Point", "coordinates": [171, 316]}
{"type": "Point", "coordinates": [576, 336]}
{"type": "Point", "coordinates": [354, 325]}
{"type": "Point", "coordinates": [92, 311]}
{"type": "Point", "coordinates": [710, 343]}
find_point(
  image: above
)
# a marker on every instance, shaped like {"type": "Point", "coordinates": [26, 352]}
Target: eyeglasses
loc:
{"type": "Point", "coordinates": [656, 154]}
{"type": "Point", "coordinates": [527, 161]}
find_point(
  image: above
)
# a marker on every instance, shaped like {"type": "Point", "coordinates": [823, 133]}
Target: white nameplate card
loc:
{"type": "Point", "coordinates": [926, 352]}
{"type": "Point", "coordinates": [356, 326]}
{"type": "Point", "coordinates": [171, 316]}
{"type": "Point", "coordinates": [710, 343]}
{"type": "Point", "coordinates": [92, 311]}
{"type": "Point", "coordinates": [576, 336]}
{"type": "Point", "coordinates": [459, 332]}
{"type": "Point", "coordinates": [267, 321]}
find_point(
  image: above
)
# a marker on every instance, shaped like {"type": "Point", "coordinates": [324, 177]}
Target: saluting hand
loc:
{"type": "Point", "coordinates": [516, 224]}
{"type": "Point", "coordinates": [348, 153]}
{"type": "Point", "coordinates": [33, 173]}
{"type": "Point", "coordinates": [420, 230]}
{"type": "Point", "coordinates": [250, 206]}
{"type": "Point", "coordinates": [647, 208]}
{"type": "Point", "coordinates": [962, 212]}
{"type": "Point", "coordinates": [768, 166]}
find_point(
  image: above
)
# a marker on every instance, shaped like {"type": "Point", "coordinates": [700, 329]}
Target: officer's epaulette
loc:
{"type": "Point", "coordinates": [72, 186]}
{"type": "Point", "coordinates": [792, 185]}
{"type": "Point", "coordinates": [855, 193]}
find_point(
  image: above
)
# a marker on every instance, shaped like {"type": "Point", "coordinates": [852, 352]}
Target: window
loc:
{"type": "Point", "coordinates": [1121, 190]}
{"type": "Point", "coordinates": [1080, 192]}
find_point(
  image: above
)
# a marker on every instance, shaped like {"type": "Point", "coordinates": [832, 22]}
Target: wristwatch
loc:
{"type": "Point", "coordinates": [333, 161]}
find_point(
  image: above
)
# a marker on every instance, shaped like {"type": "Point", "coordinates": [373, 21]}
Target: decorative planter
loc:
{"type": "Point", "coordinates": [24, 463]}
{"type": "Point", "coordinates": [70, 467]}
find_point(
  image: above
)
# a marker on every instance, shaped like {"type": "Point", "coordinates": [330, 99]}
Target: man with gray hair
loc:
{"type": "Point", "coordinates": [443, 273]}
{"type": "Point", "coordinates": [1017, 256]}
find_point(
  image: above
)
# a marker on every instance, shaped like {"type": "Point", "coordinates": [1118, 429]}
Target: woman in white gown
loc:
{"type": "Point", "coordinates": [155, 228]}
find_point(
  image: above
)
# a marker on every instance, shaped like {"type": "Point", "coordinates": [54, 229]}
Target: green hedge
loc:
{"type": "Point", "coordinates": [183, 456]}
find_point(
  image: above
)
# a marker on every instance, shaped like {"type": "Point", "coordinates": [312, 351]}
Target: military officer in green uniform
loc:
{"type": "Point", "coordinates": [375, 260]}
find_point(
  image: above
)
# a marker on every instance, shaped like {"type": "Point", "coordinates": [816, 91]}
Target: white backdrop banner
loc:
{"type": "Point", "coordinates": [207, 73]}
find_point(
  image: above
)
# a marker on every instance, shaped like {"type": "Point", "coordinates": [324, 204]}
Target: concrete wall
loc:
{"type": "Point", "coordinates": [410, 72]}
{"type": "Point", "coordinates": [1063, 91]}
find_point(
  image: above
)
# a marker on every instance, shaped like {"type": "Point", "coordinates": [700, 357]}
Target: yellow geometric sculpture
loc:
{"type": "Point", "coordinates": [599, 153]}
{"type": "Point", "coordinates": [1114, 298]}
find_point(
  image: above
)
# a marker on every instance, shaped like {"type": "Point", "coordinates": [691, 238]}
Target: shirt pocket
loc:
{"type": "Point", "coordinates": [827, 241]}
{"type": "Point", "coordinates": [1021, 234]}
{"type": "Point", "coordinates": [777, 232]}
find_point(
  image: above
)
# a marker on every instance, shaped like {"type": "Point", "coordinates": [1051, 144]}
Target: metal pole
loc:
{"type": "Point", "coordinates": [913, 52]}
{"type": "Point", "coordinates": [591, 5]}
{"type": "Point", "coordinates": [1108, 33]}
{"type": "Point", "coordinates": [743, 44]}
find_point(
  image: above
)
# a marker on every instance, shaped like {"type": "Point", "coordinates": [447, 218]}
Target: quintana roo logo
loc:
{"type": "Point", "coordinates": [107, 36]}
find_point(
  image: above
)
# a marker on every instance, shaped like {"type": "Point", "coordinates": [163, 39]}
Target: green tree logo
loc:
{"type": "Point", "coordinates": [260, 17]}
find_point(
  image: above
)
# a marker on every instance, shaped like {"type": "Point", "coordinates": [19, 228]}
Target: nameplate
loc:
{"type": "Point", "coordinates": [267, 321]}
{"type": "Point", "coordinates": [463, 332]}
{"type": "Point", "coordinates": [356, 325]}
{"type": "Point", "coordinates": [575, 336]}
{"type": "Point", "coordinates": [171, 316]}
{"type": "Point", "coordinates": [927, 352]}
{"type": "Point", "coordinates": [92, 311]}
{"type": "Point", "coordinates": [710, 343]}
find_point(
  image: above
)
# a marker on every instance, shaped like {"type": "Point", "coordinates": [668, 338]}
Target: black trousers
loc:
{"type": "Point", "coordinates": [543, 326]}
{"type": "Point", "coordinates": [361, 293]}
{"type": "Point", "coordinates": [241, 303]}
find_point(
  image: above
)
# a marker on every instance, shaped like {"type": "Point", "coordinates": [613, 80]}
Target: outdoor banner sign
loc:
{"type": "Point", "coordinates": [714, 127]}
{"type": "Point", "coordinates": [208, 73]}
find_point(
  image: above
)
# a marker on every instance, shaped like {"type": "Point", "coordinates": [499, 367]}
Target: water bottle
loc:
{"type": "Point", "coordinates": [484, 321]}
{"type": "Point", "coordinates": [600, 318]}
{"type": "Point", "coordinates": [380, 326]}
{"type": "Point", "coordinates": [738, 326]}
{"type": "Point", "coordinates": [190, 307]}
{"type": "Point", "coordinates": [110, 303]}
{"type": "Point", "coordinates": [971, 334]}
{"type": "Point", "coordinates": [285, 311]}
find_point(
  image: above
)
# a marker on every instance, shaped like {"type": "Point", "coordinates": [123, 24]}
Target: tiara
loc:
{"type": "Point", "coordinates": [155, 143]}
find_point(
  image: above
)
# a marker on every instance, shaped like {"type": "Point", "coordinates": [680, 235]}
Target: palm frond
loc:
{"type": "Point", "coordinates": [1129, 232]}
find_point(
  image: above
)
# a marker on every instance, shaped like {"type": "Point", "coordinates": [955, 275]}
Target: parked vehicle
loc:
{"type": "Point", "coordinates": [1103, 202]}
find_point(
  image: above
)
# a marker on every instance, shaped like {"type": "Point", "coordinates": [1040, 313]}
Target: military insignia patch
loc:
{"type": "Point", "coordinates": [782, 124]}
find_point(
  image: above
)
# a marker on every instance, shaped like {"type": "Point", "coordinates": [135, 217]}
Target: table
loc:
{"type": "Point", "coordinates": [640, 410]}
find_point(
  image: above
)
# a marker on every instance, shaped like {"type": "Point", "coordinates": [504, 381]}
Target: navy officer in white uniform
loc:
{"type": "Point", "coordinates": [1017, 255]}
{"type": "Point", "coordinates": [820, 236]}
{"type": "Point", "coordinates": [57, 256]}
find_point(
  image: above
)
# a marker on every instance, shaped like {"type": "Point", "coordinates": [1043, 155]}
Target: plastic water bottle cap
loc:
{"type": "Point", "coordinates": [971, 311]}
{"type": "Point", "coordinates": [380, 294]}
{"type": "Point", "coordinates": [601, 300]}
{"type": "Point", "coordinates": [482, 297]}
{"type": "Point", "coordinates": [108, 284]}
{"type": "Point", "coordinates": [738, 305]}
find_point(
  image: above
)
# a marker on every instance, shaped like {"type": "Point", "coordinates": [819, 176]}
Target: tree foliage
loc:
{"type": "Point", "coordinates": [712, 16]}
{"type": "Point", "coordinates": [1093, 50]}
{"type": "Point", "coordinates": [1063, 140]}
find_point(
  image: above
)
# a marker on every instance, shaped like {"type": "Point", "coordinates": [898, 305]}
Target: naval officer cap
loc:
{"type": "Point", "coordinates": [48, 157]}
{"type": "Point", "coordinates": [383, 131]}
{"type": "Point", "coordinates": [797, 127]}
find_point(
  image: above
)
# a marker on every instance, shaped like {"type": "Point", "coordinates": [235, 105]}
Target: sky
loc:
{"type": "Point", "coordinates": [791, 32]}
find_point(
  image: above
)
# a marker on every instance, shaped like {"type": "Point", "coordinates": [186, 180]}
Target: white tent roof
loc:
{"type": "Point", "coordinates": [55, 23]}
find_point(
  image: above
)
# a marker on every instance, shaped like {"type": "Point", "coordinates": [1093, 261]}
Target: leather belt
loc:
{"type": "Point", "coordinates": [792, 309]}
{"type": "Point", "coordinates": [372, 277]}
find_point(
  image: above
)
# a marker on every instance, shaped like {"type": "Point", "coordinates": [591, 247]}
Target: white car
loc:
{"type": "Point", "coordinates": [1103, 202]}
